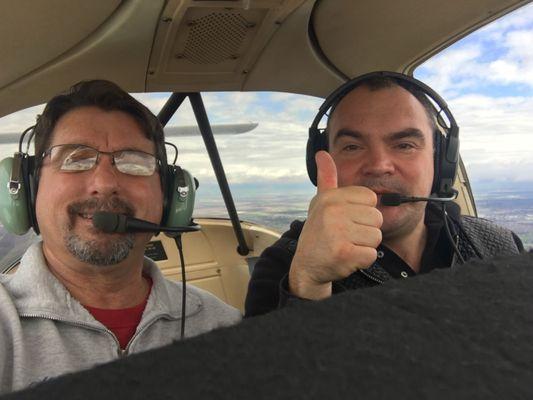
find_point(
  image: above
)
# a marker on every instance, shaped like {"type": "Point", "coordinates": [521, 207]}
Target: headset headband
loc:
{"type": "Point", "coordinates": [447, 152]}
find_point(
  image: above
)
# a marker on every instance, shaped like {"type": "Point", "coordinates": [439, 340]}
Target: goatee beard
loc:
{"type": "Point", "coordinates": [97, 253]}
{"type": "Point", "coordinates": [109, 250]}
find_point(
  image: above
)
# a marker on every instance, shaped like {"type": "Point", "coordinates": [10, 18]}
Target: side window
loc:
{"type": "Point", "coordinates": [487, 81]}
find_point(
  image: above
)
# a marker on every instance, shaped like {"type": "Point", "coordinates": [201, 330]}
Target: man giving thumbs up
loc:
{"type": "Point", "coordinates": [381, 138]}
{"type": "Point", "coordinates": [349, 222]}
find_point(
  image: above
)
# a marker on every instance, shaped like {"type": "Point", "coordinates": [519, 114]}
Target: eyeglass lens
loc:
{"type": "Point", "coordinates": [75, 158]}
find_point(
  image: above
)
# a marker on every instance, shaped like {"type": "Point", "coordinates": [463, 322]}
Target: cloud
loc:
{"type": "Point", "coordinates": [273, 152]}
{"type": "Point", "coordinates": [21, 120]}
{"type": "Point", "coordinates": [269, 153]}
{"type": "Point", "coordinates": [497, 56]}
{"type": "Point", "coordinates": [517, 64]}
{"type": "Point", "coordinates": [487, 79]}
{"type": "Point", "coordinates": [453, 72]}
{"type": "Point", "coordinates": [517, 171]}
{"type": "Point", "coordinates": [518, 19]}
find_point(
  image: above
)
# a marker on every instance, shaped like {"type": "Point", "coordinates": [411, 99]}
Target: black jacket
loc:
{"type": "Point", "coordinates": [475, 237]}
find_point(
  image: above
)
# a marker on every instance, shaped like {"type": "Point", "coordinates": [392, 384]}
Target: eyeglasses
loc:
{"type": "Point", "coordinates": [78, 158]}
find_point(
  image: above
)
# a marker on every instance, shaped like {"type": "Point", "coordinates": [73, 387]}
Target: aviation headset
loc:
{"type": "Point", "coordinates": [19, 183]}
{"type": "Point", "coordinates": [446, 142]}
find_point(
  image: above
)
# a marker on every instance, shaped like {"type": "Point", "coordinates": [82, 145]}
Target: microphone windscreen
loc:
{"type": "Point", "coordinates": [391, 199]}
{"type": "Point", "coordinates": [106, 221]}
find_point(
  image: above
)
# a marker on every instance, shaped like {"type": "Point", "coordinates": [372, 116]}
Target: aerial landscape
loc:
{"type": "Point", "coordinates": [277, 206]}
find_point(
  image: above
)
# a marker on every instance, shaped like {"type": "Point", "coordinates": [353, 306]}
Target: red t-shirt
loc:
{"type": "Point", "coordinates": [122, 322]}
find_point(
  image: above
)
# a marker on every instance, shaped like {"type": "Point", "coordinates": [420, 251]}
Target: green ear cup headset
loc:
{"type": "Point", "coordinates": [17, 189]}
{"type": "Point", "coordinates": [19, 182]}
{"type": "Point", "coordinates": [180, 192]}
{"type": "Point", "coordinates": [446, 143]}
{"type": "Point", "coordinates": [14, 200]}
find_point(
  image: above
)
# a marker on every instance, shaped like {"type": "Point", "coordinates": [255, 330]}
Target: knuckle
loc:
{"type": "Point", "coordinates": [342, 252]}
{"type": "Point", "coordinates": [372, 197]}
{"type": "Point", "coordinates": [378, 217]}
{"type": "Point", "coordinates": [367, 257]}
{"type": "Point", "coordinates": [322, 200]}
{"type": "Point", "coordinates": [378, 237]}
{"type": "Point", "coordinates": [369, 196]}
{"type": "Point", "coordinates": [333, 211]}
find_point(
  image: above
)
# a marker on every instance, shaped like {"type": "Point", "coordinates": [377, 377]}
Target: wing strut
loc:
{"type": "Point", "coordinates": [168, 110]}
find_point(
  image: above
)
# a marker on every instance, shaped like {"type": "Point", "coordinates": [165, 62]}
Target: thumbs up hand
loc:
{"type": "Point", "coordinates": [340, 235]}
{"type": "Point", "coordinates": [326, 177]}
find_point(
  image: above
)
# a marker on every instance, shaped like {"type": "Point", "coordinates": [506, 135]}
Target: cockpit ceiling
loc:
{"type": "Point", "coordinates": [362, 36]}
{"type": "Point", "coordinates": [32, 33]}
{"type": "Point", "coordinates": [206, 45]}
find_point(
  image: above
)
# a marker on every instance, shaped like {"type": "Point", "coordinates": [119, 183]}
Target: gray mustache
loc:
{"type": "Point", "coordinates": [112, 204]}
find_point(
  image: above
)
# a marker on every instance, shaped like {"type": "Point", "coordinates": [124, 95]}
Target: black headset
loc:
{"type": "Point", "coordinates": [19, 179]}
{"type": "Point", "coordinates": [446, 141]}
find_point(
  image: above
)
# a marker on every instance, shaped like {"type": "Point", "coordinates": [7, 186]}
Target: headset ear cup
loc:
{"type": "Point", "coordinates": [180, 197]}
{"type": "Point", "coordinates": [449, 158]}
{"type": "Point", "coordinates": [13, 207]}
{"type": "Point", "coordinates": [438, 137]}
{"type": "Point", "coordinates": [446, 160]}
{"type": "Point", "coordinates": [31, 184]}
{"type": "Point", "coordinates": [317, 141]}
{"type": "Point", "coordinates": [167, 183]}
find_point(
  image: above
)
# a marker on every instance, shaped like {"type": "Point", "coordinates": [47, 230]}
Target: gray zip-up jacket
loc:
{"type": "Point", "coordinates": [45, 332]}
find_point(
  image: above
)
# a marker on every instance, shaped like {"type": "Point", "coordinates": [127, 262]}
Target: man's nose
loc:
{"type": "Point", "coordinates": [378, 161]}
{"type": "Point", "coordinates": [104, 176]}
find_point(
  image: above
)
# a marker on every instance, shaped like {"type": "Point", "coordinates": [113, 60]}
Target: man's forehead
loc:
{"type": "Point", "coordinates": [93, 125]}
{"type": "Point", "coordinates": [363, 96]}
{"type": "Point", "coordinates": [389, 105]}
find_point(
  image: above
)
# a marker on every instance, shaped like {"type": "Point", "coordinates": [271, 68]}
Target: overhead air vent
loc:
{"type": "Point", "coordinates": [213, 45]}
{"type": "Point", "coordinates": [216, 37]}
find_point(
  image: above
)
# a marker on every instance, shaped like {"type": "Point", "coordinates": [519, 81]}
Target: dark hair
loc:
{"type": "Point", "coordinates": [374, 83]}
{"type": "Point", "coordinates": [107, 96]}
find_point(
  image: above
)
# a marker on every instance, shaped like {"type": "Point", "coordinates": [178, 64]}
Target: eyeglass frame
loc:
{"type": "Point", "coordinates": [98, 152]}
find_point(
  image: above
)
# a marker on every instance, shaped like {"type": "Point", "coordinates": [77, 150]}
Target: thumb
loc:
{"type": "Point", "coordinates": [326, 176]}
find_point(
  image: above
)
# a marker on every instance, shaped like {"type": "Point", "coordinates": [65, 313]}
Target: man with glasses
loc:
{"type": "Point", "coordinates": [82, 297]}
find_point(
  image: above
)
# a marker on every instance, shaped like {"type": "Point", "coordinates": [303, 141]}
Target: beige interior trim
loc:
{"type": "Point", "coordinates": [289, 63]}
{"type": "Point", "coordinates": [29, 45]}
{"type": "Point", "coordinates": [212, 260]}
{"type": "Point", "coordinates": [118, 49]}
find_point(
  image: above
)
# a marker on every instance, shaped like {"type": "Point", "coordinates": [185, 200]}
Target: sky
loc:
{"type": "Point", "coordinates": [486, 79]}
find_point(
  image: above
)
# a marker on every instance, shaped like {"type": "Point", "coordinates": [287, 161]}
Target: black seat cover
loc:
{"type": "Point", "coordinates": [460, 333]}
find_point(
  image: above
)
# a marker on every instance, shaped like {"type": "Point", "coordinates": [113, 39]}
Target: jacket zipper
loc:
{"type": "Point", "coordinates": [371, 277]}
{"type": "Point", "coordinates": [125, 352]}
{"type": "Point", "coordinates": [121, 353]}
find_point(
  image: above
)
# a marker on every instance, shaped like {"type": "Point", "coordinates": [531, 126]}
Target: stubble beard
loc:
{"type": "Point", "coordinates": [106, 251]}
{"type": "Point", "coordinates": [412, 213]}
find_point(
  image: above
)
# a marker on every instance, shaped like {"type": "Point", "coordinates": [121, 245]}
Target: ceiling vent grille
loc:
{"type": "Point", "coordinates": [216, 37]}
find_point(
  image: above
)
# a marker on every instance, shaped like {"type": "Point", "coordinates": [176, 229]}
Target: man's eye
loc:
{"type": "Point", "coordinates": [405, 146]}
{"type": "Point", "coordinates": [351, 147]}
